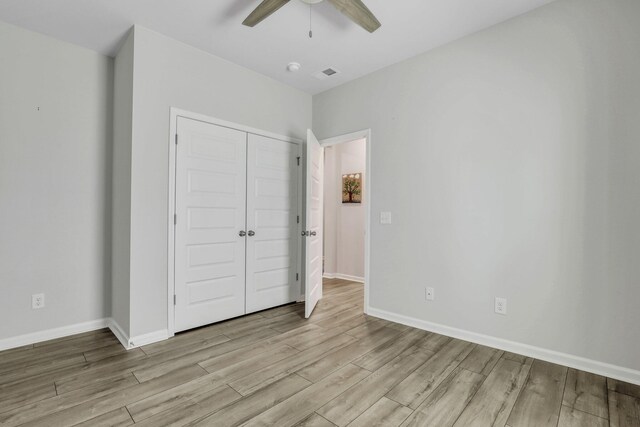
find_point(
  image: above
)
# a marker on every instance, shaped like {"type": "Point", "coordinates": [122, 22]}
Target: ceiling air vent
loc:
{"type": "Point", "coordinates": [325, 74]}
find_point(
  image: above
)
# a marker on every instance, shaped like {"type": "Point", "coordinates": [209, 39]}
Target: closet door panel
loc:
{"type": "Point", "coordinates": [272, 204]}
{"type": "Point", "coordinates": [211, 212]}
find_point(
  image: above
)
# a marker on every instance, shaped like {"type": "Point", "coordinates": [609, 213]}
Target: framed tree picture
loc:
{"type": "Point", "coordinates": [352, 188]}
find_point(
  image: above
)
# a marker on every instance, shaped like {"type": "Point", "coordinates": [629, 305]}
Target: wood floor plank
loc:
{"type": "Point", "coordinates": [382, 354]}
{"type": "Point", "coordinates": [443, 407]}
{"type": "Point", "coordinates": [383, 413]}
{"type": "Point", "coordinates": [414, 389]}
{"type": "Point", "coordinates": [44, 367]}
{"type": "Point", "coordinates": [624, 410]}
{"type": "Point", "coordinates": [350, 405]}
{"type": "Point", "coordinates": [481, 360]}
{"type": "Point", "coordinates": [256, 403]}
{"type": "Point", "coordinates": [335, 360]}
{"type": "Point", "coordinates": [539, 402]}
{"type": "Point", "coordinates": [266, 376]}
{"type": "Point", "coordinates": [623, 388]}
{"type": "Point", "coordinates": [116, 418]}
{"type": "Point", "coordinates": [154, 370]}
{"type": "Point", "coordinates": [239, 368]}
{"type": "Point", "coordinates": [494, 400]}
{"type": "Point", "coordinates": [104, 352]}
{"type": "Point", "coordinates": [11, 399]}
{"type": "Point", "coordinates": [95, 372]}
{"type": "Point", "coordinates": [302, 404]}
{"type": "Point", "coordinates": [101, 405]}
{"type": "Point", "coordinates": [570, 417]}
{"type": "Point", "coordinates": [433, 342]}
{"type": "Point", "coordinates": [191, 411]}
{"type": "Point", "coordinates": [587, 393]}
{"type": "Point", "coordinates": [58, 403]}
{"type": "Point", "coordinates": [315, 420]}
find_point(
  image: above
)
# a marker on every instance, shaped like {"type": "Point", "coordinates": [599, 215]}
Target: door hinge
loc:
{"type": "Point", "coordinates": [297, 277]}
{"type": "Point", "coordinates": [174, 299]}
{"type": "Point", "coordinates": [175, 219]}
{"type": "Point", "coordinates": [298, 219]}
{"type": "Point", "coordinates": [176, 139]}
{"type": "Point", "coordinates": [298, 159]}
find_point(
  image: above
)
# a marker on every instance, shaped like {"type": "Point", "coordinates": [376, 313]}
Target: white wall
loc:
{"type": "Point", "coordinates": [55, 174]}
{"type": "Point", "coordinates": [510, 160]}
{"type": "Point", "coordinates": [169, 74]}
{"type": "Point", "coordinates": [344, 223]}
{"type": "Point", "coordinates": [121, 220]}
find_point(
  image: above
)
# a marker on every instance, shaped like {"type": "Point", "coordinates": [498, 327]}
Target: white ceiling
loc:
{"type": "Point", "coordinates": [409, 27]}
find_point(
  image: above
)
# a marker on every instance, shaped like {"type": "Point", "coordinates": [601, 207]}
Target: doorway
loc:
{"type": "Point", "coordinates": [346, 171]}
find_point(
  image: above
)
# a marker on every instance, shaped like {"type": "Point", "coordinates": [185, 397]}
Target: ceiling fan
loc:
{"type": "Point", "coordinates": [353, 9]}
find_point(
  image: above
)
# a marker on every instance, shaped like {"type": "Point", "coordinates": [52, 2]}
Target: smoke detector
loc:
{"type": "Point", "coordinates": [293, 67]}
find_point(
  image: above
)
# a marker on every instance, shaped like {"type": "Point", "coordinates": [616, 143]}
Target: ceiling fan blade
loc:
{"type": "Point", "coordinates": [358, 13]}
{"type": "Point", "coordinates": [264, 9]}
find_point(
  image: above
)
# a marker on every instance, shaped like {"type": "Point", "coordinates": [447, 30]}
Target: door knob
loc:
{"type": "Point", "coordinates": [251, 233]}
{"type": "Point", "coordinates": [313, 233]}
{"type": "Point", "coordinates": [242, 233]}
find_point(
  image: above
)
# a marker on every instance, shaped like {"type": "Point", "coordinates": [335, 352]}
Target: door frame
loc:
{"type": "Point", "coordinates": [176, 113]}
{"type": "Point", "coordinates": [353, 136]}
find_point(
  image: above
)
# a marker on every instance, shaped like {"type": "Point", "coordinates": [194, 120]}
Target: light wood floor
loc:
{"type": "Point", "coordinates": [275, 368]}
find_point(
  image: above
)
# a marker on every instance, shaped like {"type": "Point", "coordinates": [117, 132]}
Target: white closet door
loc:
{"type": "Point", "coordinates": [272, 209]}
{"type": "Point", "coordinates": [211, 214]}
{"type": "Point", "coordinates": [314, 220]}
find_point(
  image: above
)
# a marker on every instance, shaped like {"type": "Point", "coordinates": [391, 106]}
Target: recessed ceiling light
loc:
{"type": "Point", "coordinates": [293, 67]}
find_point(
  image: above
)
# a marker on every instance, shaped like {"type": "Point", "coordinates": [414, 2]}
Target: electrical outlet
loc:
{"type": "Point", "coordinates": [501, 306]}
{"type": "Point", "coordinates": [429, 294]}
{"type": "Point", "coordinates": [385, 217]}
{"type": "Point", "coordinates": [37, 301]}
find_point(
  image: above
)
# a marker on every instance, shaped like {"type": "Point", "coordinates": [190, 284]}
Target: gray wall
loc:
{"type": "Point", "coordinates": [510, 162]}
{"type": "Point", "coordinates": [169, 74]}
{"type": "Point", "coordinates": [344, 229]}
{"type": "Point", "coordinates": [121, 221]}
{"type": "Point", "coordinates": [55, 174]}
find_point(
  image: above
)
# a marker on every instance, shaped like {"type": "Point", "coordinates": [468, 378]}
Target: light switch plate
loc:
{"type": "Point", "coordinates": [385, 217]}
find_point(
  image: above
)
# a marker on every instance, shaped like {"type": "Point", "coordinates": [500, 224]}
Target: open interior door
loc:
{"type": "Point", "coordinates": [313, 233]}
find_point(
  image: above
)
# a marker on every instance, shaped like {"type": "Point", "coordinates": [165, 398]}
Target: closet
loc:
{"type": "Point", "coordinates": [236, 226]}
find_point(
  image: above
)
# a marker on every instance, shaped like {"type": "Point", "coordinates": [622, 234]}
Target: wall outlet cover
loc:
{"type": "Point", "coordinates": [37, 301]}
{"type": "Point", "coordinates": [501, 306]}
{"type": "Point", "coordinates": [429, 294]}
{"type": "Point", "coordinates": [385, 217]}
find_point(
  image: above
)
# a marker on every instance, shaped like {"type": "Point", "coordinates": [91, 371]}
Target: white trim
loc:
{"type": "Point", "coordinates": [119, 333]}
{"type": "Point", "coordinates": [150, 338]}
{"type": "Point", "coordinates": [576, 362]}
{"type": "Point", "coordinates": [343, 277]}
{"type": "Point", "coordinates": [138, 341]}
{"type": "Point", "coordinates": [51, 334]}
{"type": "Point", "coordinates": [173, 124]}
{"type": "Point", "coordinates": [353, 136]}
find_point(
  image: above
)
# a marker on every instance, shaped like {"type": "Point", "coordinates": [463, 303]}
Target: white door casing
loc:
{"type": "Point", "coordinates": [272, 216]}
{"type": "Point", "coordinates": [211, 212]}
{"type": "Point", "coordinates": [314, 223]}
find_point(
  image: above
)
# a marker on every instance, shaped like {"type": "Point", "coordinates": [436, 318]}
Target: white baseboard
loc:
{"type": "Point", "coordinates": [137, 341]}
{"type": "Point", "coordinates": [51, 334]}
{"type": "Point", "coordinates": [343, 277]}
{"type": "Point", "coordinates": [150, 338]}
{"type": "Point", "coordinates": [79, 328]}
{"type": "Point", "coordinates": [576, 362]}
{"type": "Point", "coordinates": [117, 330]}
